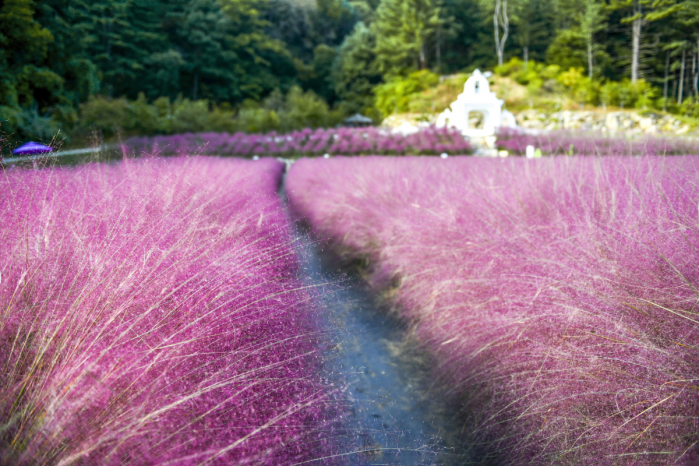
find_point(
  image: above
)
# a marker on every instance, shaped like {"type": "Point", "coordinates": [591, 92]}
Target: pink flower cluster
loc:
{"type": "Point", "coordinates": [558, 295]}
{"type": "Point", "coordinates": [349, 141]}
{"type": "Point", "coordinates": [151, 315]}
{"type": "Point", "coordinates": [577, 143]}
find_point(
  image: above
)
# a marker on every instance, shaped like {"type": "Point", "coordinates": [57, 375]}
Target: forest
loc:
{"type": "Point", "coordinates": [162, 67]}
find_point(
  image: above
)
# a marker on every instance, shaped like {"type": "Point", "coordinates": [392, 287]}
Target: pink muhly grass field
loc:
{"type": "Point", "coordinates": [559, 295]}
{"type": "Point", "coordinates": [563, 142]}
{"type": "Point", "coordinates": [429, 140]}
{"type": "Point", "coordinates": [151, 315]}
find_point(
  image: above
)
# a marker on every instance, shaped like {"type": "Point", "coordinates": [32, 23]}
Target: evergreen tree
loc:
{"type": "Point", "coordinates": [31, 92]}
{"type": "Point", "coordinates": [466, 43]}
{"type": "Point", "coordinates": [639, 14]}
{"type": "Point", "coordinates": [403, 30]}
{"type": "Point", "coordinates": [355, 73]}
{"type": "Point", "coordinates": [533, 28]}
{"type": "Point", "coordinates": [67, 55]}
{"type": "Point", "coordinates": [25, 81]}
{"type": "Point", "coordinates": [592, 20]}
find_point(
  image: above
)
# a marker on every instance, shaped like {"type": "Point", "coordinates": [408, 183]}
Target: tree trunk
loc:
{"type": "Point", "coordinates": [107, 30]}
{"type": "Point", "coordinates": [438, 52]}
{"type": "Point", "coordinates": [196, 85]}
{"type": "Point", "coordinates": [526, 54]}
{"type": "Point", "coordinates": [674, 86]}
{"type": "Point", "coordinates": [589, 57]}
{"type": "Point", "coordinates": [688, 81]}
{"type": "Point", "coordinates": [679, 95]}
{"type": "Point", "coordinates": [636, 40]}
{"type": "Point", "coordinates": [667, 70]}
{"type": "Point", "coordinates": [496, 29]}
{"type": "Point", "coordinates": [696, 76]}
{"type": "Point", "coordinates": [500, 20]}
{"type": "Point", "coordinates": [505, 27]}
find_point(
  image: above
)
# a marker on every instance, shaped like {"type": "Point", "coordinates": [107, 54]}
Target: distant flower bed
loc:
{"type": "Point", "coordinates": [348, 141]}
{"type": "Point", "coordinates": [580, 143]}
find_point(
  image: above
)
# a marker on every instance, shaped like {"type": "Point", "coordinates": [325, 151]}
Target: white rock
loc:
{"type": "Point", "coordinates": [529, 152]}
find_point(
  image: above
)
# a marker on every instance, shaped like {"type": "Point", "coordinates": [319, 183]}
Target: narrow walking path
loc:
{"type": "Point", "coordinates": [392, 419]}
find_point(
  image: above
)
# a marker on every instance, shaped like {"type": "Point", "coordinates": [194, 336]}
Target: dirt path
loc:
{"type": "Point", "coordinates": [393, 418]}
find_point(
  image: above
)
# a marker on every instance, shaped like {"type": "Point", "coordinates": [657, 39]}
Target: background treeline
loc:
{"type": "Point", "coordinates": [155, 66]}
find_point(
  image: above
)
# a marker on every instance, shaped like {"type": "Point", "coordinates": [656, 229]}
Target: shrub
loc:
{"type": "Point", "coordinates": [257, 120]}
{"type": "Point", "coordinates": [394, 96]}
{"type": "Point", "coordinates": [531, 74]}
{"type": "Point", "coordinates": [644, 94]}
{"type": "Point", "coordinates": [625, 93]}
{"type": "Point", "coordinates": [608, 93]}
{"type": "Point", "coordinates": [304, 110]}
{"type": "Point", "coordinates": [19, 125]}
{"type": "Point", "coordinates": [104, 114]}
{"type": "Point", "coordinates": [143, 118]}
{"type": "Point", "coordinates": [189, 116]}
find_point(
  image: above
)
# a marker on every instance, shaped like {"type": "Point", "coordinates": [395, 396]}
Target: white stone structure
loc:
{"type": "Point", "coordinates": [477, 111]}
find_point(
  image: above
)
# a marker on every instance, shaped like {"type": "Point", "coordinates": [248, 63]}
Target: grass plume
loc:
{"type": "Point", "coordinates": [150, 314]}
{"type": "Point", "coordinates": [559, 295]}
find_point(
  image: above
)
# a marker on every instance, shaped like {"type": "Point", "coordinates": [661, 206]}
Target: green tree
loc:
{"type": "Point", "coordinates": [227, 55]}
{"type": "Point", "coordinates": [463, 42]}
{"type": "Point", "coordinates": [355, 72]}
{"type": "Point", "coordinates": [568, 50]}
{"type": "Point", "coordinates": [403, 30]}
{"type": "Point", "coordinates": [395, 95]}
{"type": "Point", "coordinates": [29, 89]}
{"type": "Point", "coordinates": [319, 76]}
{"type": "Point", "coordinates": [640, 13]}
{"type": "Point", "coordinates": [111, 48]}
{"type": "Point", "coordinates": [67, 54]}
{"type": "Point", "coordinates": [24, 45]}
{"type": "Point", "coordinates": [533, 28]}
{"type": "Point", "coordinates": [592, 20]}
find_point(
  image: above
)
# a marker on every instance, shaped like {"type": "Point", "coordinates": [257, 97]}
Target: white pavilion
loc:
{"type": "Point", "coordinates": [477, 111]}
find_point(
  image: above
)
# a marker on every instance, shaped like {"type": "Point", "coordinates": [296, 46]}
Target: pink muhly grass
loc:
{"type": "Point", "coordinates": [151, 315]}
{"type": "Point", "coordinates": [428, 141]}
{"type": "Point", "coordinates": [580, 143]}
{"type": "Point", "coordinates": [559, 295]}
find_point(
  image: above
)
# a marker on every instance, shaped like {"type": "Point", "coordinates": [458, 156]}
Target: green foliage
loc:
{"type": "Point", "coordinates": [608, 93]}
{"type": "Point", "coordinates": [24, 124]}
{"type": "Point", "coordinates": [199, 55]}
{"type": "Point", "coordinates": [568, 50]}
{"type": "Point", "coordinates": [355, 73]}
{"type": "Point", "coordinates": [56, 53]}
{"type": "Point", "coordinates": [403, 29]}
{"type": "Point", "coordinates": [690, 108]}
{"type": "Point", "coordinates": [105, 114]}
{"type": "Point", "coordinates": [304, 110]}
{"type": "Point", "coordinates": [296, 110]}
{"type": "Point", "coordinates": [531, 74]}
{"type": "Point", "coordinates": [278, 112]}
{"type": "Point", "coordinates": [644, 94]}
{"type": "Point", "coordinates": [395, 95]}
{"type": "Point", "coordinates": [583, 89]}
{"type": "Point", "coordinates": [112, 117]}
{"type": "Point", "coordinates": [318, 74]}
{"type": "Point", "coordinates": [25, 80]}
{"type": "Point", "coordinates": [533, 27]}
{"type": "Point", "coordinates": [576, 84]}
